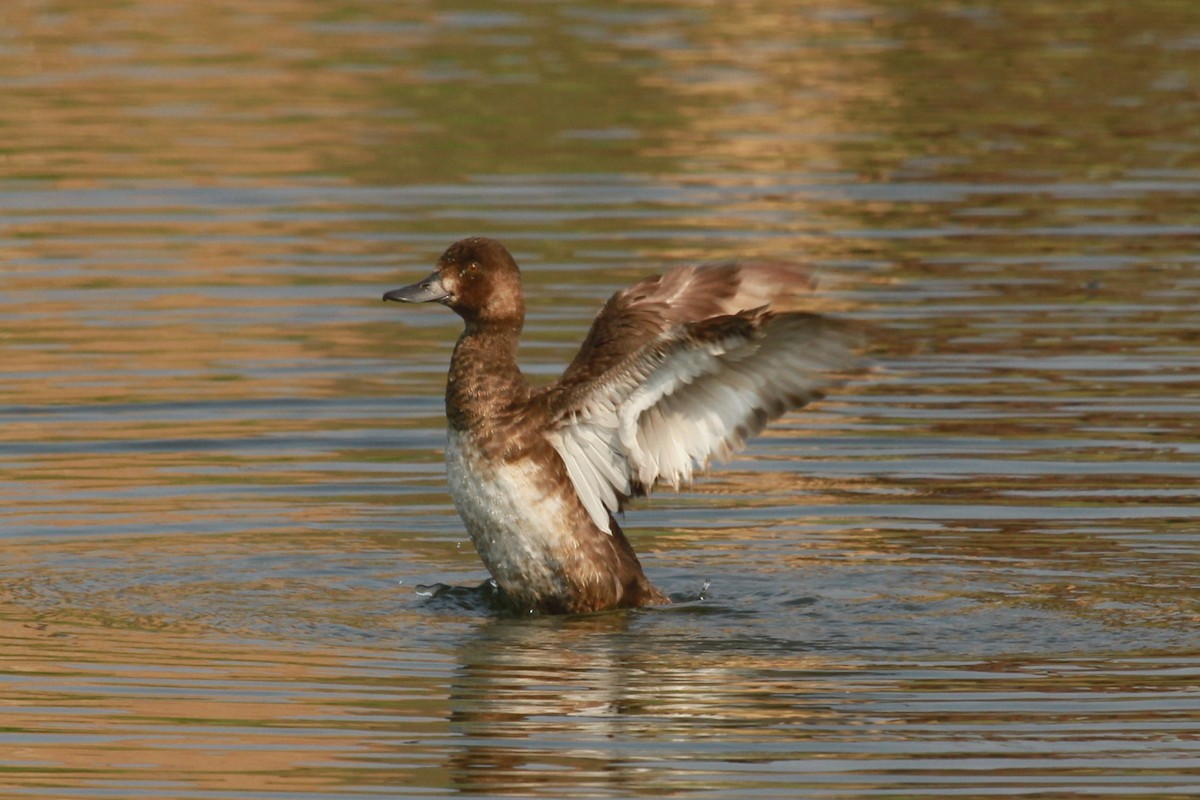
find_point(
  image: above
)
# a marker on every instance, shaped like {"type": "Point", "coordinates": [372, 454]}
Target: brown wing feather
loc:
{"type": "Point", "coordinates": [683, 367]}
{"type": "Point", "coordinates": [646, 312]}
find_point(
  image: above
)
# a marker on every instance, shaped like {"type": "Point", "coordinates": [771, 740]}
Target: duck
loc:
{"type": "Point", "coordinates": [676, 371]}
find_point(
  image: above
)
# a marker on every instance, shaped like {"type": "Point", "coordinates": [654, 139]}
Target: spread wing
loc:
{"type": "Point", "coordinates": [684, 367]}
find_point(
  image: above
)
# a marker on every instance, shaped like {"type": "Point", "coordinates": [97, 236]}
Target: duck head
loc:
{"type": "Point", "coordinates": [477, 278]}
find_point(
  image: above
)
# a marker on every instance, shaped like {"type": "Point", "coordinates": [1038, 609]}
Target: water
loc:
{"type": "Point", "coordinates": [971, 574]}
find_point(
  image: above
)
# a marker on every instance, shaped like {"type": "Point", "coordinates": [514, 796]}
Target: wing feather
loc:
{"type": "Point", "coordinates": [683, 368]}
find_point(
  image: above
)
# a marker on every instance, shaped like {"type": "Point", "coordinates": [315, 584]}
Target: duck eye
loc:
{"type": "Point", "coordinates": [472, 267]}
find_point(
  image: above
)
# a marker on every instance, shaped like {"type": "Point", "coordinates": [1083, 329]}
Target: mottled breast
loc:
{"type": "Point", "coordinates": [519, 519]}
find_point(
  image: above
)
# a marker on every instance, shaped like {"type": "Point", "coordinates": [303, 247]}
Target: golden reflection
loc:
{"type": "Point", "coordinates": [212, 718]}
{"type": "Point", "coordinates": [762, 95]}
{"type": "Point", "coordinates": [202, 201]}
{"type": "Point", "coordinates": [155, 90]}
{"type": "Point", "coordinates": [523, 685]}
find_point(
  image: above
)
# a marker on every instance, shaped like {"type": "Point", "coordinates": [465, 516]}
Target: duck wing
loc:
{"type": "Point", "coordinates": [684, 367]}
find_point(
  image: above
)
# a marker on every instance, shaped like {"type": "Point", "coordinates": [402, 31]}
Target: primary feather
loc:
{"type": "Point", "coordinates": [680, 369]}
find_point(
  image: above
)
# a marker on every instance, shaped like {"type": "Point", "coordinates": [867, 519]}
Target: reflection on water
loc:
{"type": "Point", "coordinates": [220, 456]}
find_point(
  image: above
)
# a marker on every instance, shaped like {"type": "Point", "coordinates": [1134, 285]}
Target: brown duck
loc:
{"type": "Point", "coordinates": [676, 370]}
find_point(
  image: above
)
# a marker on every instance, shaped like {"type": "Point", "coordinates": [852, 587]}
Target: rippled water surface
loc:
{"type": "Point", "coordinates": [973, 573]}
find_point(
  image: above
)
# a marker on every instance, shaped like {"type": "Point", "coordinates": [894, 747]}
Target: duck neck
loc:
{"type": "Point", "coordinates": [485, 382]}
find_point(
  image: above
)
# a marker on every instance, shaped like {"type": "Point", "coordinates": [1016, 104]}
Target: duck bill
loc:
{"type": "Point", "coordinates": [425, 291]}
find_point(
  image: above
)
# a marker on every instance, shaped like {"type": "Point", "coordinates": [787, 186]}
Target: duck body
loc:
{"type": "Point", "coordinates": [514, 495]}
{"type": "Point", "coordinates": [675, 370]}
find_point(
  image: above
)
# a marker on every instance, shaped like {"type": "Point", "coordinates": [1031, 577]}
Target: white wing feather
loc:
{"type": "Point", "coordinates": [661, 422]}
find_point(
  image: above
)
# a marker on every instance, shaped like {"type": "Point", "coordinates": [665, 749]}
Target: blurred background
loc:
{"type": "Point", "coordinates": [973, 572]}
